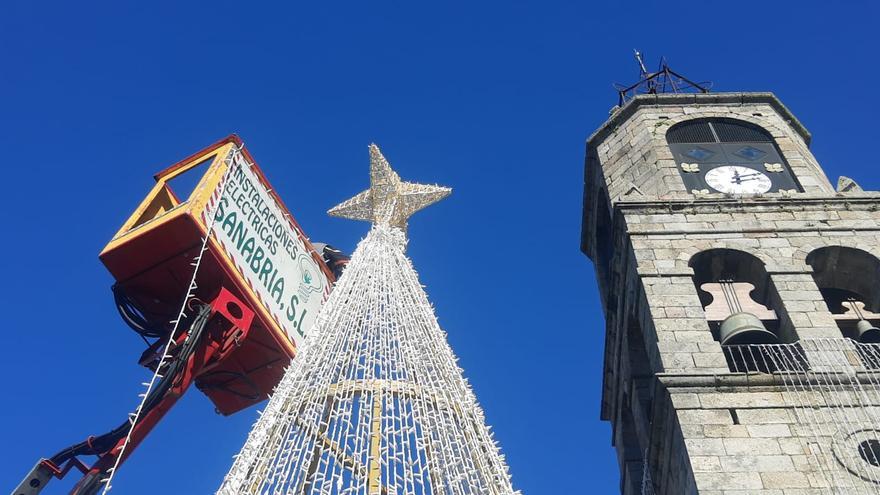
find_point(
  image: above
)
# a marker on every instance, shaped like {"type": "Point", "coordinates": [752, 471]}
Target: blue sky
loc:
{"type": "Point", "coordinates": [492, 99]}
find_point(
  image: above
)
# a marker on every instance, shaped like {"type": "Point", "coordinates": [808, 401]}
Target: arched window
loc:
{"type": "Point", "coordinates": [731, 283]}
{"type": "Point", "coordinates": [638, 398]}
{"type": "Point", "coordinates": [848, 278]}
{"type": "Point", "coordinates": [729, 156]}
{"type": "Point", "coordinates": [740, 305]}
{"type": "Point", "coordinates": [604, 244]}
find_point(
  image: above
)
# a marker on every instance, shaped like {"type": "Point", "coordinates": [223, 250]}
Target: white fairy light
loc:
{"type": "Point", "coordinates": [832, 387]}
{"type": "Point", "coordinates": [375, 403]}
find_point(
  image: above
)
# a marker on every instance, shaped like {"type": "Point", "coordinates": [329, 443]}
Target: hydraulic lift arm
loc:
{"type": "Point", "coordinates": [213, 333]}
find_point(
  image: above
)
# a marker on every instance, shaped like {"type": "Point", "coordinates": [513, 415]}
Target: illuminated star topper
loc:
{"type": "Point", "coordinates": [389, 200]}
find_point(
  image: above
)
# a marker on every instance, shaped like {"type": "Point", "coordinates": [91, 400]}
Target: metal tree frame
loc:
{"type": "Point", "coordinates": [375, 403]}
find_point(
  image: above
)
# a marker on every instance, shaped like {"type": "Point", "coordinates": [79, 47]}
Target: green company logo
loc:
{"type": "Point", "coordinates": [310, 283]}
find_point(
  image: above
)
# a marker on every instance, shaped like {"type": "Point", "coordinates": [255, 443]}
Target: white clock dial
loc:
{"type": "Point", "coordinates": [733, 179]}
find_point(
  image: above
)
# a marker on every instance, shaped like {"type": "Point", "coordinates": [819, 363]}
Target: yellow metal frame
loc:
{"type": "Point", "coordinates": [162, 206]}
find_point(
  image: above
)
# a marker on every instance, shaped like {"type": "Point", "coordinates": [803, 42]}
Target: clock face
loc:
{"type": "Point", "coordinates": [734, 179]}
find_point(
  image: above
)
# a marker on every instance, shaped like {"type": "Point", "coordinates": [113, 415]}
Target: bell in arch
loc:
{"type": "Point", "coordinates": [746, 328]}
{"type": "Point", "coordinates": [867, 332]}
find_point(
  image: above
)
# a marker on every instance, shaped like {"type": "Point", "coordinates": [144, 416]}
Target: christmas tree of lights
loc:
{"type": "Point", "coordinates": [375, 403]}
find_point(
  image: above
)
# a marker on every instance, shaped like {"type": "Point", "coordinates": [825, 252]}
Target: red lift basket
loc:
{"type": "Point", "coordinates": [152, 259]}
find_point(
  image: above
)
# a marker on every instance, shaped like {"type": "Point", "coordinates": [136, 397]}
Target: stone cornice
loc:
{"type": "Point", "coordinates": [672, 99]}
{"type": "Point", "coordinates": [841, 201]}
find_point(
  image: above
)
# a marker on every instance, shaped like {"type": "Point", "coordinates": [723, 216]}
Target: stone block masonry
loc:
{"type": "Point", "coordinates": [685, 419]}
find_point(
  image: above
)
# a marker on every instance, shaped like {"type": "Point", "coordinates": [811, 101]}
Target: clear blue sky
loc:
{"type": "Point", "coordinates": [492, 99]}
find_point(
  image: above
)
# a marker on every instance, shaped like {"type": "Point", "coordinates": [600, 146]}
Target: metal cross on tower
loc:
{"type": "Point", "coordinates": [664, 80]}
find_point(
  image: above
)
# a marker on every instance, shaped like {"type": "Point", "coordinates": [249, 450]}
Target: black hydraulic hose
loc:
{"type": "Point", "coordinates": [102, 443]}
{"type": "Point", "coordinates": [133, 316]}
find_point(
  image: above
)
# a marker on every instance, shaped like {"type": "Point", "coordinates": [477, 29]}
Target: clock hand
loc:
{"type": "Point", "coordinates": [736, 178]}
{"type": "Point", "coordinates": [749, 178]}
{"type": "Point", "coordinates": [752, 174]}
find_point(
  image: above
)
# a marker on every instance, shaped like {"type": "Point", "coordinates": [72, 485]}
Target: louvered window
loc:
{"type": "Point", "coordinates": [717, 131]}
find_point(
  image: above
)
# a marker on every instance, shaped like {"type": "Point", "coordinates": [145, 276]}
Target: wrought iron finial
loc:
{"type": "Point", "coordinates": [664, 80]}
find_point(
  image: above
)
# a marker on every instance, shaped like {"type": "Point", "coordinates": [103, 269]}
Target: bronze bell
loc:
{"type": "Point", "coordinates": [868, 333]}
{"type": "Point", "coordinates": [745, 328]}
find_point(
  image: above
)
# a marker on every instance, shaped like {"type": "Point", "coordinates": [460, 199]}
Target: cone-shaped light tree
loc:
{"type": "Point", "coordinates": [375, 403]}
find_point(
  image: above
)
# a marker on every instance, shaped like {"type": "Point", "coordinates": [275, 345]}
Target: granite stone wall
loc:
{"type": "Point", "coordinates": [668, 389]}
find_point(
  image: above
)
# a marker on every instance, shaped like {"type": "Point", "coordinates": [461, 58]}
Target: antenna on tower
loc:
{"type": "Point", "coordinates": [642, 70]}
{"type": "Point", "coordinates": [664, 80]}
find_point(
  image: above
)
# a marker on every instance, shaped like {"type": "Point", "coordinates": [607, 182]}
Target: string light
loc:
{"type": "Point", "coordinates": [375, 403]}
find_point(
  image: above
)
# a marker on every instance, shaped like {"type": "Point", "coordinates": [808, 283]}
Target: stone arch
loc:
{"type": "Point", "coordinates": [698, 246]}
{"type": "Point", "coordinates": [604, 240]}
{"type": "Point", "coordinates": [734, 286]}
{"type": "Point", "coordinates": [714, 264]}
{"type": "Point", "coordinates": [849, 280]}
{"type": "Point", "coordinates": [701, 145]}
{"type": "Point", "coordinates": [773, 130]}
{"type": "Point", "coordinates": [806, 253]}
{"type": "Point", "coordinates": [783, 134]}
{"type": "Point", "coordinates": [844, 272]}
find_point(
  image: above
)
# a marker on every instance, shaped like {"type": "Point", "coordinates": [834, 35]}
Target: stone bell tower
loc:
{"type": "Point", "coordinates": [741, 293]}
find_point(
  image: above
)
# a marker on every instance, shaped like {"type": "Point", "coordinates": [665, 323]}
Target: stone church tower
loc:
{"type": "Point", "coordinates": [741, 293]}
